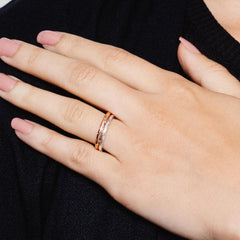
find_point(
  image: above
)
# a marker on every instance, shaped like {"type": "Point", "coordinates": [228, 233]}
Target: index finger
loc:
{"type": "Point", "coordinates": [128, 68]}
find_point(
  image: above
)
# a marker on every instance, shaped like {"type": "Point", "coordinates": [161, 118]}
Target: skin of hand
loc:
{"type": "Point", "coordinates": [171, 152]}
{"type": "Point", "coordinates": [227, 15]}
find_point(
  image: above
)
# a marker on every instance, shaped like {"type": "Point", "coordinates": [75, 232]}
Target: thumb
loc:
{"type": "Point", "coordinates": [206, 72]}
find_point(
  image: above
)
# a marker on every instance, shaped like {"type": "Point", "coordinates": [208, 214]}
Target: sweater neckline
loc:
{"type": "Point", "coordinates": [8, 6]}
{"type": "Point", "coordinates": [4, 3]}
{"type": "Point", "coordinates": [216, 40]}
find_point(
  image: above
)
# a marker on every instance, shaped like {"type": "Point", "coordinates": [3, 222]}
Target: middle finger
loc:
{"type": "Point", "coordinates": [83, 80]}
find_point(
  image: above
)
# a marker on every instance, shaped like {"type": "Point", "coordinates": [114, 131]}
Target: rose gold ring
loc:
{"type": "Point", "coordinates": [103, 130]}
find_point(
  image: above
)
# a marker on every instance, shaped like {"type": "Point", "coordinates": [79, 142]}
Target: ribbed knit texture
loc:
{"type": "Point", "coordinates": [203, 30]}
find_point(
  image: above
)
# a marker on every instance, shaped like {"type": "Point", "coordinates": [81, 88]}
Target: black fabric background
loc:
{"type": "Point", "coordinates": [39, 198]}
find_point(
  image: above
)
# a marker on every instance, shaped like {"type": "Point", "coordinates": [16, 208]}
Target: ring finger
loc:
{"type": "Point", "coordinates": [71, 115]}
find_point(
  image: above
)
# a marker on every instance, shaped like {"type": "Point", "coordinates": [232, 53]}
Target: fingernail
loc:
{"type": "Point", "coordinates": [48, 37]}
{"type": "Point", "coordinates": [6, 82]}
{"type": "Point", "coordinates": [189, 45]}
{"type": "Point", "coordinates": [8, 47]}
{"type": "Point", "coordinates": [21, 125]}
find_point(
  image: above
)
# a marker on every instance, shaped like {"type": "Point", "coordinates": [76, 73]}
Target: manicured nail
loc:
{"type": "Point", "coordinates": [8, 47]}
{"type": "Point", "coordinates": [189, 45]}
{"type": "Point", "coordinates": [6, 82]}
{"type": "Point", "coordinates": [21, 125]}
{"type": "Point", "coordinates": [48, 37]}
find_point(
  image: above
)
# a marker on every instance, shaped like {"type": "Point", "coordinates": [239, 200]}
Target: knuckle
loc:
{"type": "Point", "coordinates": [47, 140]}
{"type": "Point", "coordinates": [184, 91]}
{"type": "Point", "coordinates": [114, 55]}
{"type": "Point", "coordinates": [70, 43]}
{"type": "Point", "coordinates": [34, 56]}
{"type": "Point", "coordinates": [215, 67]}
{"type": "Point", "coordinates": [153, 112]}
{"type": "Point", "coordinates": [143, 145]}
{"type": "Point", "coordinates": [212, 69]}
{"type": "Point", "coordinates": [28, 95]}
{"type": "Point", "coordinates": [73, 112]}
{"type": "Point", "coordinates": [80, 155]}
{"type": "Point", "coordinates": [81, 73]}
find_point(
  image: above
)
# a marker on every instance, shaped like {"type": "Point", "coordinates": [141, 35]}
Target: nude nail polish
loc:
{"type": "Point", "coordinates": [48, 37]}
{"type": "Point", "coordinates": [21, 125]}
{"type": "Point", "coordinates": [8, 47]}
{"type": "Point", "coordinates": [6, 82]}
{"type": "Point", "coordinates": [189, 45]}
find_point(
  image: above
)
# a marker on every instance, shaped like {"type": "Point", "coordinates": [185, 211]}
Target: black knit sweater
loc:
{"type": "Point", "coordinates": [202, 29]}
{"type": "Point", "coordinates": [42, 199]}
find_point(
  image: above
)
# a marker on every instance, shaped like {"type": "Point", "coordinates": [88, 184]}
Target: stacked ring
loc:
{"type": "Point", "coordinates": [103, 130]}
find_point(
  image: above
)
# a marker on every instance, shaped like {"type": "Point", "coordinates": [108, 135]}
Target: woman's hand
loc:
{"type": "Point", "coordinates": [172, 152]}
